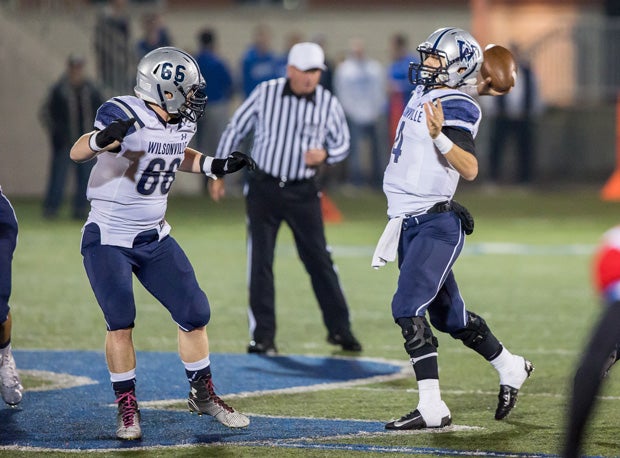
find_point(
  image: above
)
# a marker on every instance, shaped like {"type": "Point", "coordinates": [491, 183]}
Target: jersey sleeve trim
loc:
{"type": "Point", "coordinates": [130, 112]}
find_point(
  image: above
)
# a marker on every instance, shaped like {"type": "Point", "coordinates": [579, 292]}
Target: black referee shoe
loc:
{"type": "Point", "coordinates": [345, 339]}
{"type": "Point", "coordinates": [262, 348]}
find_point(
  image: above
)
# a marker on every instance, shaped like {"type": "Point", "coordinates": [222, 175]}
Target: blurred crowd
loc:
{"type": "Point", "coordinates": [372, 93]}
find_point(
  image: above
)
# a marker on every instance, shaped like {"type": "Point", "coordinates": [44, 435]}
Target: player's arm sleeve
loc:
{"type": "Point", "coordinates": [461, 137]}
{"type": "Point", "coordinates": [463, 112]}
{"type": "Point", "coordinates": [112, 110]}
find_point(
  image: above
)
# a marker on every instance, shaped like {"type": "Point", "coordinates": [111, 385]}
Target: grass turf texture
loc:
{"type": "Point", "coordinates": [539, 302]}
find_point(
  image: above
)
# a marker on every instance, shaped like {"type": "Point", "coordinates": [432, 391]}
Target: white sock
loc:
{"type": "Point", "coordinates": [502, 361]}
{"type": "Point", "coordinates": [431, 407]}
{"type": "Point", "coordinates": [511, 369]}
{"type": "Point", "coordinates": [429, 392]}
{"type": "Point", "coordinates": [122, 376]}
{"type": "Point", "coordinates": [197, 365]}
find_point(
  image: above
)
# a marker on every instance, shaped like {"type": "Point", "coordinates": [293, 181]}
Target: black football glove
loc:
{"type": "Point", "coordinates": [233, 163]}
{"type": "Point", "coordinates": [115, 131]}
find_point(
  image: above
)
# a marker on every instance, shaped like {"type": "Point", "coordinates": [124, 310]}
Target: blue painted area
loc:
{"type": "Point", "coordinates": [410, 450]}
{"type": "Point", "coordinates": [82, 418]}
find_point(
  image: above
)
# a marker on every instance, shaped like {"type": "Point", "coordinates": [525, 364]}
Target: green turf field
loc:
{"type": "Point", "coordinates": [526, 270]}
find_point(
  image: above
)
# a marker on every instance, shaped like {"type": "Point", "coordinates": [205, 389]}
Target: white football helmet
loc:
{"type": "Point", "coordinates": [172, 70]}
{"type": "Point", "coordinates": [460, 56]}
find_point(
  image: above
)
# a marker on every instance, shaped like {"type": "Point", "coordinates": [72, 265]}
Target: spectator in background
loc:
{"type": "Point", "coordinates": [327, 76]}
{"type": "Point", "coordinates": [328, 177]}
{"type": "Point", "coordinates": [513, 116]}
{"type": "Point", "coordinates": [259, 63]}
{"type": "Point", "coordinates": [10, 384]}
{"type": "Point", "coordinates": [399, 86]}
{"type": "Point", "coordinates": [69, 108]}
{"type": "Point", "coordinates": [360, 85]}
{"type": "Point", "coordinates": [219, 92]}
{"type": "Point", "coordinates": [154, 35]}
{"type": "Point", "coordinates": [112, 47]}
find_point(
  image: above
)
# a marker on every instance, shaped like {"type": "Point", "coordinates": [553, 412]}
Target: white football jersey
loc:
{"type": "Point", "coordinates": [128, 191]}
{"type": "Point", "coordinates": [418, 175]}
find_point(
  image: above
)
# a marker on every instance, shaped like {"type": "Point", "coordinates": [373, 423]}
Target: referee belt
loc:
{"type": "Point", "coordinates": [282, 182]}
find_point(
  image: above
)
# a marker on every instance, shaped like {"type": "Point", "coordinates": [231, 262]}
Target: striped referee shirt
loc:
{"type": "Point", "coordinates": [285, 127]}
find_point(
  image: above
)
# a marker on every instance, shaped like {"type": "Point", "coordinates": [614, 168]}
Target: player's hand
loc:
{"type": "Point", "coordinates": [233, 163]}
{"type": "Point", "coordinates": [315, 157]}
{"type": "Point", "coordinates": [434, 117]}
{"type": "Point", "coordinates": [217, 189]}
{"type": "Point", "coordinates": [484, 88]}
{"type": "Point", "coordinates": [115, 131]}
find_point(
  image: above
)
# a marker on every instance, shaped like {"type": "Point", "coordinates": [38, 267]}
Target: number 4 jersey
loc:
{"type": "Point", "coordinates": [128, 190]}
{"type": "Point", "coordinates": [418, 176]}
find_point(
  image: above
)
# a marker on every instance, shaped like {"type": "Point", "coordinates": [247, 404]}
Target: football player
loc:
{"type": "Point", "coordinates": [434, 147]}
{"type": "Point", "coordinates": [140, 143]}
{"type": "Point", "coordinates": [602, 349]}
{"type": "Point", "coordinates": [10, 384]}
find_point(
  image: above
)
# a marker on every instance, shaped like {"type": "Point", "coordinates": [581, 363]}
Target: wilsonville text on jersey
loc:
{"type": "Point", "coordinates": [166, 148]}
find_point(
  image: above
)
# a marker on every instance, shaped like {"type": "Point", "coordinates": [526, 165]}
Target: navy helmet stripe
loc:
{"type": "Point", "coordinates": [191, 58]}
{"type": "Point", "coordinates": [441, 36]}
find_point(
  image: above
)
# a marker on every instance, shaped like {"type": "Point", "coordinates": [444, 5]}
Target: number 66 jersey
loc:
{"type": "Point", "coordinates": [128, 190]}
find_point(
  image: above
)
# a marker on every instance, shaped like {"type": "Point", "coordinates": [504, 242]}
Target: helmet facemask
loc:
{"type": "Point", "coordinates": [427, 75]}
{"type": "Point", "coordinates": [195, 103]}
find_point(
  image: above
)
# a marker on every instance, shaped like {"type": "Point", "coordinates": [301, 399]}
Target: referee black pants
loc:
{"type": "Point", "coordinates": [269, 202]}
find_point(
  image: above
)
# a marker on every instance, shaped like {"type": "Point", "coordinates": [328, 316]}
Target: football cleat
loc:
{"type": "Point", "coordinates": [128, 417]}
{"type": "Point", "coordinates": [415, 420]}
{"type": "Point", "coordinates": [10, 384]}
{"type": "Point", "coordinates": [507, 397]}
{"type": "Point", "coordinates": [203, 400]}
{"type": "Point", "coordinates": [345, 339]}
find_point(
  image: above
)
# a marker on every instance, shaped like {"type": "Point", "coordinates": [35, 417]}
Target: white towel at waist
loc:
{"type": "Point", "coordinates": [387, 247]}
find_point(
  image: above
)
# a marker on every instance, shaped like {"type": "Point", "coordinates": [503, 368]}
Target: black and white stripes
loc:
{"type": "Point", "coordinates": [285, 126]}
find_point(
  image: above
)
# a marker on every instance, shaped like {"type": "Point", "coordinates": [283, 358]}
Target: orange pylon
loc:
{"type": "Point", "coordinates": [330, 211]}
{"type": "Point", "coordinates": [611, 190]}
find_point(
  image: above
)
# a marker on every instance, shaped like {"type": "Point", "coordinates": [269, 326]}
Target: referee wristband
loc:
{"type": "Point", "coordinates": [443, 143]}
{"type": "Point", "coordinates": [92, 143]}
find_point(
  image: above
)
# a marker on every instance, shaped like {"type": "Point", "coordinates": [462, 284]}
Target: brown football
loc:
{"type": "Point", "coordinates": [500, 65]}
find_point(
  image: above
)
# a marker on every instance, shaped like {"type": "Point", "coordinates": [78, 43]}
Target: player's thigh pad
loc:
{"type": "Point", "coordinates": [109, 270]}
{"type": "Point", "coordinates": [169, 276]}
{"type": "Point", "coordinates": [447, 312]}
{"type": "Point", "coordinates": [429, 246]}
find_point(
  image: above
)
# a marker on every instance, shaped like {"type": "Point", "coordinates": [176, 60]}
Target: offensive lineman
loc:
{"type": "Point", "coordinates": [433, 148]}
{"type": "Point", "coordinates": [140, 143]}
{"type": "Point", "coordinates": [11, 389]}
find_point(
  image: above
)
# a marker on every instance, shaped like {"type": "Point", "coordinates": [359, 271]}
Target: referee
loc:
{"type": "Point", "coordinates": [298, 125]}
